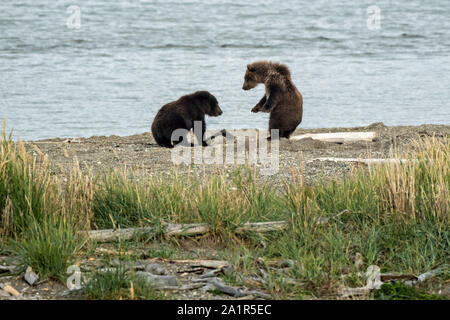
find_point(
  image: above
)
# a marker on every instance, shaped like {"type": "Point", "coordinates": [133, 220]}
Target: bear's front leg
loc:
{"type": "Point", "coordinates": [257, 108]}
{"type": "Point", "coordinates": [266, 108]}
{"type": "Point", "coordinates": [271, 103]}
{"type": "Point", "coordinates": [201, 135]}
{"type": "Point", "coordinates": [273, 100]}
{"type": "Point", "coordinates": [260, 104]}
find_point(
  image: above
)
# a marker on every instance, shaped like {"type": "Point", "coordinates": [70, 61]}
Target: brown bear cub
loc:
{"type": "Point", "coordinates": [282, 99]}
{"type": "Point", "coordinates": [181, 114]}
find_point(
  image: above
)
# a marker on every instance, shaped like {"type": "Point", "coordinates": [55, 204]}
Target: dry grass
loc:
{"type": "Point", "coordinates": [418, 188]}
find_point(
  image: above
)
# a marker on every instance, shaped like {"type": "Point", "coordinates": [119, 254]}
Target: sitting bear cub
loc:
{"type": "Point", "coordinates": [181, 114]}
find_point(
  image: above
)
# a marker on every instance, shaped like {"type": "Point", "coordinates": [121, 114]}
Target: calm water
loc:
{"type": "Point", "coordinates": [131, 57]}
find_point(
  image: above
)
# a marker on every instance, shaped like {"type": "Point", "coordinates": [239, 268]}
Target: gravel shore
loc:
{"type": "Point", "coordinates": [141, 153]}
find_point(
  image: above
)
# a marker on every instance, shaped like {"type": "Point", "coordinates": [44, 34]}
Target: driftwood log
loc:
{"type": "Point", "coordinates": [338, 137]}
{"type": "Point", "coordinates": [172, 229]}
{"type": "Point", "coordinates": [7, 269]}
{"type": "Point", "coordinates": [364, 161]}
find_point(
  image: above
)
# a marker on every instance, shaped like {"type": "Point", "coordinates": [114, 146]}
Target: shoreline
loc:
{"type": "Point", "coordinates": [139, 152]}
{"type": "Point", "coordinates": [299, 130]}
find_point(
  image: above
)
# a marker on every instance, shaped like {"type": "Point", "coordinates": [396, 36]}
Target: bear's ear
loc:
{"type": "Point", "coordinates": [251, 68]}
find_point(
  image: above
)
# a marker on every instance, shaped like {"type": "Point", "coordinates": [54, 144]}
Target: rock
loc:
{"type": "Point", "coordinates": [227, 270]}
{"type": "Point", "coordinates": [445, 291]}
{"type": "Point", "coordinates": [154, 268]}
{"type": "Point", "coordinates": [71, 293]}
{"type": "Point", "coordinates": [157, 280]}
{"type": "Point", "coordinates": [4, 294]}
{"type": "Point", "coordinates": [287, 263]}
{"type": "Point", "coordinates": [30, 276]}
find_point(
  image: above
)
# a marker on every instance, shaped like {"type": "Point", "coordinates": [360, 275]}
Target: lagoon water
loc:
{"type": "Point", "coordinates": [128, 58]}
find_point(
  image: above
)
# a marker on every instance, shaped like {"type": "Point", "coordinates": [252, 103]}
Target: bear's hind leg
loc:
{"type": "Point", "coordinates": [287, 133]}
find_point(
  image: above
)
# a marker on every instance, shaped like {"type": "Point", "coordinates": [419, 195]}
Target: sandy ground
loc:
{"type": "Point", "coordinates": [140, 152]}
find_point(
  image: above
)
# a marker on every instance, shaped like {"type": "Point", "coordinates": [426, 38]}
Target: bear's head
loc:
{"type": "Point", "coordinates": [208, 104]}
{"type": "Point", "coordinates": [254, 74]}
{"type": "Point", "coordinates": [262, 71]}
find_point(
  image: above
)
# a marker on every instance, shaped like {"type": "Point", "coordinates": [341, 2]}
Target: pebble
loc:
{"type": "Point", "coordinates": [288, 263]}
{"type": "Point", "coordinates": [4, 294]}
{"type": "Point", "coordinates": [30, 276]}
{"type": "Point", "coordinates": [155, 268]}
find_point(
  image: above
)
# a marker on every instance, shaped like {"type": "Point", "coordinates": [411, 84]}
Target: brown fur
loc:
{"type": "Point", "coordinates": [282, 99]}
{"type": "Point", "coordinates": [181, 114]}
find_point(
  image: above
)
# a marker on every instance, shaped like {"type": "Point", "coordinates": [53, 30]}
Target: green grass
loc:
{"type": "Point", "coordinates": [394, 215]}
{"type": "Point", "coordinates": [48, 247]}
{"type": "Point", "coordinates": [37, 222]}
{"type": "Point", "coordinates": [27, 190]}
{"type": "Point", "coordinates": [119, 284]}
{"type": "Point", "coordinates": [400, 291]}
{"type": "Point", "coordinates": [122, 200]}
{"type": "Point", "coordinates": [164, 251]}
{"type": "Point", "coordinates": [404, 231]}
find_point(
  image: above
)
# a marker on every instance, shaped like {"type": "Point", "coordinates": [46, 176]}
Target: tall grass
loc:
{"type": "Point", "coordinates": [124, 200]}
{"type": "Point", "coordinates": [118, 284]}
{"type": "Point", "coordinates": [77, 198]}
{"type": "Point", "coordinates": [38, 213]}
{"type": "Point", "coordinates": [410, 190]}
{"type": "Point", "coordinates": [28, 192]}
{"type": "Point", "coordinates": [48, 246]}
{"type": "Point", "coordinates": [396, 215]}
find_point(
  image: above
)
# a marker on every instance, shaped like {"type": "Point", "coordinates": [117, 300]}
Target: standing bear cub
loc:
{"type": "Point", "coordinates": [282, 99]}
{"type": "Point", "coordinates": [181, 114]}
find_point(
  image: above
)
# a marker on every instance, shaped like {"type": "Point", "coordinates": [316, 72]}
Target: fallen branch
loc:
{"type": "Point", "coordinates": [261, 227]}
{"type": "Point", "coordinates": [212, 264]}
{"type": "Point", "coordinates": [185, 287]}
{"type": "Point", "coordinates": [11, 290]}
{"type": "Point", "coordinates": [10, 269]}
{"type": "Point", "coordinates": [128, 233]}
{"type": "Point", "coordinates": [179, 230]}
